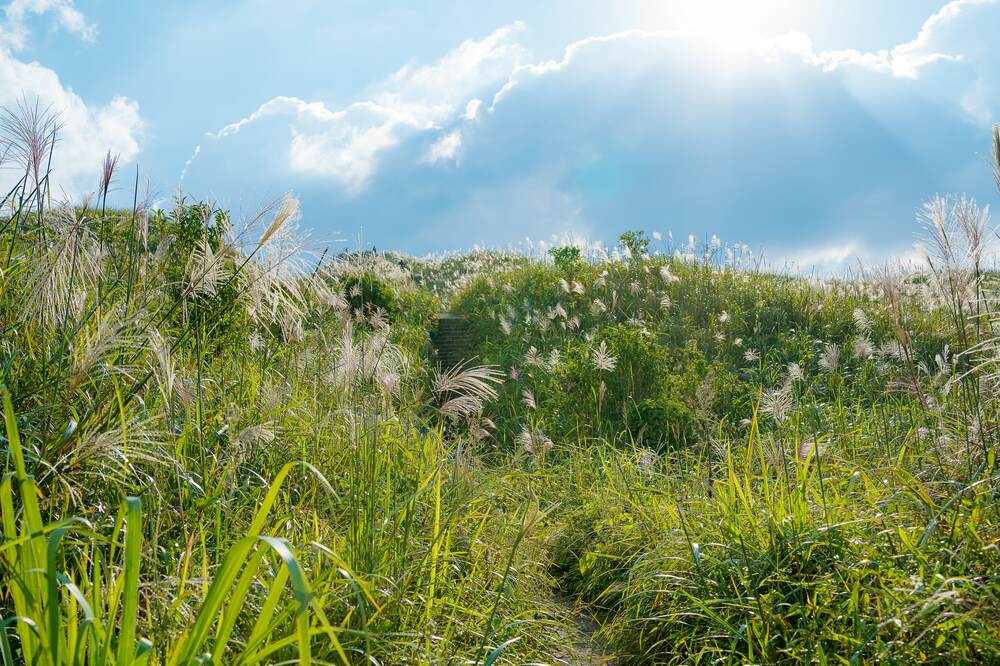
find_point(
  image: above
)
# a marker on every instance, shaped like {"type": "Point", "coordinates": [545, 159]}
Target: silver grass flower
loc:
{"type": "Point", "coordinates": [59, 280]}
{"type": "Point", "coordinates": [829, 360]}
{"type": "Point", "coordinates": [666, 275]}
{"type": "Point", "coordinates": [861, 321]}
{"type": "Point", "coordinates": [777, 403]}
{"type": "Point", "coordinates": [794, 373]}
{"type": "Point", "coordinates": [601, 360]}
{"type": "Point", "coordinates": [533, 358]}
{"type": "Point", "coordinates": [464, 390]}
{"type": "Point", "coordinates": [528, 398]}
{"type": "Point", "coordinates": [206, 269]}
{"type": "Point", "coordinates": [862, 347]}
{"type": "Point", "coordinates": [535, 442]}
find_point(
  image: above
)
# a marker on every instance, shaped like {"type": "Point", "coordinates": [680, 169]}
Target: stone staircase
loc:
{"type": "Point", "coordinates": [451, 341]}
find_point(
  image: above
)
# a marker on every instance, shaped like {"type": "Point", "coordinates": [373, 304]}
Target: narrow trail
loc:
{"type": "Point", "coordinates": [578, 646]}
{"type": "Point", "coordinates": [581, 646]}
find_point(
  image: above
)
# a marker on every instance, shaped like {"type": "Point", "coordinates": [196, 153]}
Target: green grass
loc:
{"type": "Point", "coordinates": [217, 450]}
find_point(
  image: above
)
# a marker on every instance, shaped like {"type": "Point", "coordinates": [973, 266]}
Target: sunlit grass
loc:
{"type": "Point", "coordinates": [221, 448]}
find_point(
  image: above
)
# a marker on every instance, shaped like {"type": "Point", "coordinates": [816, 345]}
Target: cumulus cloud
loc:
{"type": "Point", "coordinates": [445, 148]}
{"type": "Point", "coordinates": [825, 258]}
{"type": "Point", "coordinates": [14, 31]}
{"type": "Point", "coordinates": [346, 144]}
{"type": "Point", "coordinates": [821, 155]}
{"type": "Point", "coordinates": [88, 131]}
{"type": "Point", "coordinates": [572, 51]}
{"type": "Point", "coordinates": [905, 60]}
{"type": "Point", "coordinates": [472, 108]}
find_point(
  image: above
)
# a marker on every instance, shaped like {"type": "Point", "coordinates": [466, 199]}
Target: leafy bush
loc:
{"type": "Point", "coordinates": [366, 294]}
{"type": "Point", "coordinates": [566, 258]}
{"type": "Point", "coordinates": [636, 242]}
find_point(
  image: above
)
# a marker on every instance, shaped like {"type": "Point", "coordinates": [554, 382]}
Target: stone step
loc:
{"type": "Point", "coordinates": [451, 341]}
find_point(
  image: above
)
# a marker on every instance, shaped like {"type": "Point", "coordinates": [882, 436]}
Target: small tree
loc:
{"type": "Point", "coordinates": [636, 242]}
{"type": "Point", "coordinates": [566, 257]}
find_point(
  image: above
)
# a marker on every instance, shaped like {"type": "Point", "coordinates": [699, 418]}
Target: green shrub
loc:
{"type": "Point", "coordinates": [366, 293]}
{"type": "Point", "coordinates": [566, 258]}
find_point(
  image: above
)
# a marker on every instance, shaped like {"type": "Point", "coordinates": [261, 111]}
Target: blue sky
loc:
{"type": "Point", "coordinates": [812, 130]}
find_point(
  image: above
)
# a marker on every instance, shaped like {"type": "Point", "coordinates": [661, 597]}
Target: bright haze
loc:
{"type": "Point", "coordinates": [813, 130]}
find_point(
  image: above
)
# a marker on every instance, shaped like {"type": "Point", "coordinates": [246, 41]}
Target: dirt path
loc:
{"type": "Point", "coordinates": [581, 647]}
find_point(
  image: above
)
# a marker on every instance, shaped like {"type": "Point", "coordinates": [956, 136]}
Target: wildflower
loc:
{"type": "Point", "coordinates": [724, 317]}
{"type": "Point", "coordinates": [750, 355]}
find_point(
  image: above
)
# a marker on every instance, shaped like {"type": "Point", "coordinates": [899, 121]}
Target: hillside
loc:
{"type": "Point", "coordinates": [218, 444]}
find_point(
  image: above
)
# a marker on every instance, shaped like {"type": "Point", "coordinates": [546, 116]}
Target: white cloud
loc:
{"type": "Point", "coordinates": [902, 61]}
{"type": "Point", "coordinates": [197, 151]}
{"type": "Point", "coordinates": [14, 31]}
{"type": "Point", "coordinates": [445, 148]}
{"type": "Point", "coordinates": [519, 72]}
{"type": "Point", "coordinates": [87, 132]}
{"type": "Point", "coordinates": [346, 144]}
{"type": "Point", "coordinates": [472, 109]}
{"type": "Point", "coordinates": [822, 256]}
{"type": "Point", "coordinates": [281, 105]}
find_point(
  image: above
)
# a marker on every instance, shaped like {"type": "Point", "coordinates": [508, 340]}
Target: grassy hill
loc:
{"type": "Point", "coordinates": [221, 449]}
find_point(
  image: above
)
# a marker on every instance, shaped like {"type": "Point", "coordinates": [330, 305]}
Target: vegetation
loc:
{"type": "Point", "coordinates": [219, 448]}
